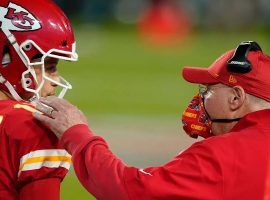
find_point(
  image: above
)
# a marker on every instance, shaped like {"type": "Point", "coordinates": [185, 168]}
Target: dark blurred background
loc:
{"type": "Point", "coordinates": [200, 13]}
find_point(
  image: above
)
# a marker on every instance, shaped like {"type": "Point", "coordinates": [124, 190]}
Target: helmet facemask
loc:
{"type": "Point", "coordinates": [29, 29]}
{"type": "Point", "coordinates": [34, 63]}
{"type": "Point", "coordinates": [29, 50]}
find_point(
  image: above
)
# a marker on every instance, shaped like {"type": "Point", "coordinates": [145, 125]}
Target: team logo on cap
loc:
{"type": "Point", "coordinates": [232, 79]}
{"type": "Point", "coordinates": [17, 18]}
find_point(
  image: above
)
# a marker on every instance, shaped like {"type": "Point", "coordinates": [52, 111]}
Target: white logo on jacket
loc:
{"type": "Point", "coordinates": [144, 172]}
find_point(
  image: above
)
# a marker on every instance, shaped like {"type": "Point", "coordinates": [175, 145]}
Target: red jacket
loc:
{"type": "Point", "coordinates": [230, 166]}
{"type": "Point", "coordinates": [32, 162]}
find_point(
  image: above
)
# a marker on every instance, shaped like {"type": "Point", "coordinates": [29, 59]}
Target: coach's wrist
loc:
{"type": "Point", "coordinates": [75, 136]}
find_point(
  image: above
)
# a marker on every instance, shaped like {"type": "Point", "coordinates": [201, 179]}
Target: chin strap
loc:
{"type": "Point", "coordinates": [11, 38]}
{"type": "Point", "coordinates": [10, 88]}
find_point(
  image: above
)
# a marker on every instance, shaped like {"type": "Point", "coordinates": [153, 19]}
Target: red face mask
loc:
{"type": "Point", "coordinates": [195, 119]}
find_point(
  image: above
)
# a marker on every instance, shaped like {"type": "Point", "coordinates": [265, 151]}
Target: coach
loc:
{"type": "Point", "coordinates": [232, 111]}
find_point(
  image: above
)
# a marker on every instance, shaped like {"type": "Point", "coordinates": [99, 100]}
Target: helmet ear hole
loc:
{"type": "Point", "coordinates": [27, 47]}
{"type": "Point", "coordinates": [6, 57]}
{"type": "Point", "coordinates": [28, 82]}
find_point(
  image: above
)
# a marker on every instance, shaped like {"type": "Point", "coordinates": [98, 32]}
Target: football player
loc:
{"type": "Point", "coordinates": [34, 36]}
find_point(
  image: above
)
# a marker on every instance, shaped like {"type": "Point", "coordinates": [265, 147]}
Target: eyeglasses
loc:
{"type": "Point", "coordinates": [204, 89]}
{"type": "Point", "coordinates": [239, 62]}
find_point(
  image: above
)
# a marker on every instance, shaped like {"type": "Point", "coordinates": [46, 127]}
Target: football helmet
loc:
{"type": "Point", "coordinates": [30, 32]}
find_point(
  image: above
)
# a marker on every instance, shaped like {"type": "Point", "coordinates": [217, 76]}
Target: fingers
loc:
{"type": "Point", "coordinates": [51, 101]}
{"type": "Point", "coordinates": [44, 119]}
{"type": "Point", "coordinates": [49, 122]}
{"type": "Point", "coordinates": [49, 111]}
{"type": "Point", "coordinates": [55, 103]}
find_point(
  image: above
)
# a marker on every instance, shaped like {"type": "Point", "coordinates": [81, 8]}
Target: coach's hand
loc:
{"type": "Point", "coordinates": [59, 115]}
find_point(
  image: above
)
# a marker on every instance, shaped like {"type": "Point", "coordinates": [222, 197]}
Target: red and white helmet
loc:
{"type": "Point", "coordinates": [30, 30]}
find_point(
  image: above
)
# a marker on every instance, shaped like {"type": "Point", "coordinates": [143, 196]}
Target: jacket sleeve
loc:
{"type": "Point", "coordinates": [99, 171]}
{"type": "Point", "coordinates": [193, 174]}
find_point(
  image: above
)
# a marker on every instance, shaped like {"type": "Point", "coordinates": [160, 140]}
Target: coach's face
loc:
{"type": "Point", "coordinates": [50, 65]}
{"type": "Point", "coordinates": [224, 102]}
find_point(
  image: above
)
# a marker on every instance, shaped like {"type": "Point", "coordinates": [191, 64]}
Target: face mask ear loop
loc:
{"type": "Point", "coordinates": [218, 120]}
{"type": "Point", "coordinates": [226, 120]}
{"type": "Point", "coordinates": [204, 108]}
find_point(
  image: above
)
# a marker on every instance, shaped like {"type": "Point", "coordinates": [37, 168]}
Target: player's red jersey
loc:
{"type": "Point", "coordinates": [29, 152]}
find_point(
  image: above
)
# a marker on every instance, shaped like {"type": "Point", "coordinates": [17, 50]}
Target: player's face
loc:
{"type": "Point", "coordinates": [217, 105]}
{"type": "Point", "coordinates": [48, 88]}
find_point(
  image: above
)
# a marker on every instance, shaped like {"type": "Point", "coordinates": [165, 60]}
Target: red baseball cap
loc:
{"type": "Point", "coordinates": [256, 82]}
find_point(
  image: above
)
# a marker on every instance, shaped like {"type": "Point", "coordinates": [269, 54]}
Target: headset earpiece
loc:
{"type": "Point", "coordinates": [239, 62]}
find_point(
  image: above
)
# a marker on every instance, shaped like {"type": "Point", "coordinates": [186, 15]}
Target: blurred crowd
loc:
{"type": "Point", "coordinates": [201, 13]}
{"type": "Point", "coordinates": [166, 22]}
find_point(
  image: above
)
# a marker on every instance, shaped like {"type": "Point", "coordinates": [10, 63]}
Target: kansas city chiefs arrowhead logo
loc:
{"type": "Point", "coordinates": [17, 18]}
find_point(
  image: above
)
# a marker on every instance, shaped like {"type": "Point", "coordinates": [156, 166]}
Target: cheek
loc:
{"type": "Point", "coordinates": [208, 105]}
{"type": "Point", "coordinates": [209, 98]}
{"type": "Point", "coordinates": [47, 84]}
{"type": "Point", "coordinates": [39, 77]}
{"type": "Point", "coordinates": [215, 105]}
{"type": "Point", "coordinates": [53, 76]}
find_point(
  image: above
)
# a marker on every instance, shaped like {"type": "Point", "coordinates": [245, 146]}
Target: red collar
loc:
{"type": "Point", "coordinates": [257, 118]}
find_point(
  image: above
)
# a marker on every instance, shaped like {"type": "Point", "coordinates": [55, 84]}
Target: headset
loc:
{"type": "Point", "coordinates": [239, 63]}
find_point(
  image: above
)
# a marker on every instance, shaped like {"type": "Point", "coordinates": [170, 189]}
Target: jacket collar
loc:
{"type": "Point", "coordinates": [257, 118]}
